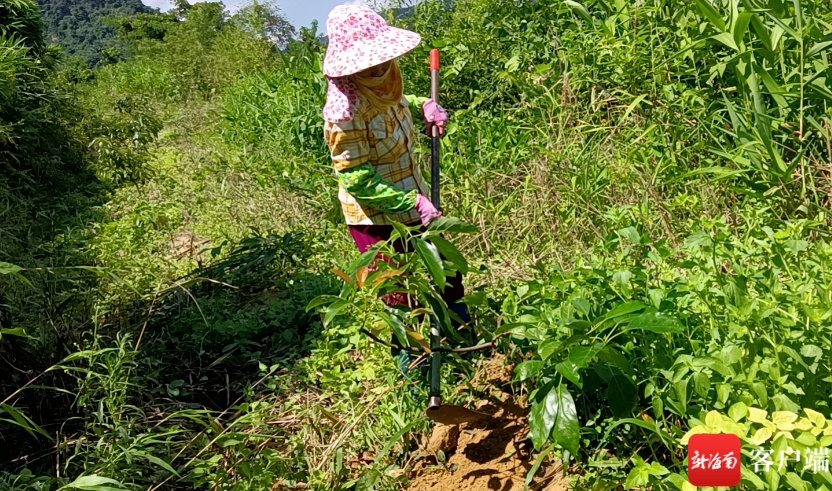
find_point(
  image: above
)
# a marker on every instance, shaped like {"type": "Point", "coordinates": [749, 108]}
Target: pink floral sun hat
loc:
{"type": "Point", "coordinates": [360, 38]}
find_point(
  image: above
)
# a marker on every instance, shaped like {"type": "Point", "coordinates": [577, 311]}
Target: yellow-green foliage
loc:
{"type": "Point", "coordinates": [785, 433]}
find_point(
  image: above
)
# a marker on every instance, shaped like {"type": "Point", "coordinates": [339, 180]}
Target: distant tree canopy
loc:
{"type": "Point", "coordinates": [78, 26]}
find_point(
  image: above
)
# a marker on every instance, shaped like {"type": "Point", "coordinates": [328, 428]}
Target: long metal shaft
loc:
{"type": "Point", "coordinates": [434, 144]}
{"type": "Point", "coordinates": [435, 396]}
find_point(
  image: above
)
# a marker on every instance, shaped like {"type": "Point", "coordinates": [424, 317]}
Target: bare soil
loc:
{"type": "Point", "coordinates": [489, 455]}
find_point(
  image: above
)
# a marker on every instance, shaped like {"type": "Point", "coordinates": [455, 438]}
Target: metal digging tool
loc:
{"type": "Point", "coordinates": [447, 414]}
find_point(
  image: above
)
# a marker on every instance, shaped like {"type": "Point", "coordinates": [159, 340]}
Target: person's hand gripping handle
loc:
{"type": "Point", "coordinates": [435, 118]}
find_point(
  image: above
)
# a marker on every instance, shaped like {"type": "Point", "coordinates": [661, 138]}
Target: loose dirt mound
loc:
{"type": "Point", "coordinates": [486, 455]}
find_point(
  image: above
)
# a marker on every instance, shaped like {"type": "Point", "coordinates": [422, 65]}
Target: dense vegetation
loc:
{"type": "Point", "coordinates": [640, 202]}
{"type": "Point", "coordinates": [80, 27]}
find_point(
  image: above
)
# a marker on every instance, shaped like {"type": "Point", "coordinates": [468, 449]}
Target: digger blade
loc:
{"type": "Point", "coordinates": [449, 414]}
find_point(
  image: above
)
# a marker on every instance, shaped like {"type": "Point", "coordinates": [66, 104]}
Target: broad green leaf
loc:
{"type": "Point", "coordinates": [368, 480]}
{"type": "Point", "coordinates": [401, 230]}
{"type": "Point", "coordinates": [726, 39]}
{"type": "Point", "coordinates": [528, 369]}
{"type": "Point", "coordinates": [756, 415]}
{"type": "Point", "coordinates": [656, 322]}
{"type": "Point", "coordinates": [333, 310]}
{"type": "Point", "coordinates": [713, 364]}
{"type": "Point", "coordinates": [624, 309]}
{"type": "Point", "coordinates": [647, 425]}
{"type": "Point", "coordinates": [818, 47]}
{"type": "Point", "coordinates": [567, 432]}
{"type": "Point", "coordinates": [23, 421]}
{"type": "Point", "coordinates": [582, 356]}
{"type": "Point", "coordinates": [603, 371]}
{"type": "Point", "coordinates": [451, 253]}
{"type": "Point", "coordinates": [713, 419]}
{"type": "Point", "coordinates": [701, 384]}
{"type": "Point", "coordinates": [93, 483]}
{"type": "Point", "coordinates": [451, 224]}
{"type": "Point", "coordinates": [774, 89]}
{"type": "Point", "coordinates": [582, 305]}
{"type": "Point", "coordinates": [750, 476]}
{"type": "Point", "coordinates": [442, 317]}
{"type": "Point", "coordinates": [823, 477]}
{"type": "Point", "coordinates": [365, 258]}
{"type": "Point", "coordinates": [14, 270]}
{"type": "Point", "coordinates": [569, 372]}
{"type": "Point", "coordinates": [622, 395]}
{"type": "Point", "coordinates": [542, 414]}
{"type": "Point", "coordinates": [697, 240]}
{"type": "Point", "coordinates": [430, 256]}
{"type": "Point", "coordinates": [578, 326]}
{"type": "Point", "coordinates": [548, 348]}
{"type": "Point", "coordinates": [680, 388]}
{"type": "Point", "coordinates": [740, 26]}
{"type": "Point", "coordinates": [613, 357]}
{"type": "Point", "coordinates": [321, 300]}
{"type": "Point", "coordinates": [796, 246]}
{"type": "Point", "coordinates": [14, 331]}
{"type": "Point", "coordinates": [796, 483]}
{"type": "Point", "coordinates": [807, 439]}
{"type": "Point", "coordinates": [513, 64]}
{"type": "Point", "coordinates": [738, 411]}
{"type": "Point", "coordinates": [815, 417]}
{"type": "Point", "coordinates": [7, 268]}
{"type": "Point", "coordinates": [761, 436]}
{"type": "Point", "coordinates": [811, 351]}
{"type": "Point", "coordinates": [396, 325]}
{"type": "Point", "coordinates": [783, 420]}
{"type": "Point", "coordinates": [631, 233]}
{"type": "Point", "coordinates": [762, 31]}
{"type": "Point", "coordinates": [803, 424]}
{"type": "Point", "coordinates": [156, 460]}
{"type": "Point", "coordinates": [580, 9]}
{"type": "Point", "coordinates": [639, 476]}
{"type": "Point", "coordinates": [711, 13]}
{"type": "Point", "coordinates": [622, 277]}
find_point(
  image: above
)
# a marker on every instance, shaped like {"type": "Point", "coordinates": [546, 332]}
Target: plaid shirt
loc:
{"type": "Point", "coordinates": [385, 140]}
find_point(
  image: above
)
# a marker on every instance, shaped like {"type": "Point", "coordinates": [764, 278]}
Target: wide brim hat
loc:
{"type": "Point", "coordinates": [360, 38]}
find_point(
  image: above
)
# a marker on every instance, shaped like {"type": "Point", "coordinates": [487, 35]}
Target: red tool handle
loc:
{"type": "Point", "coordinates": [434, 59]}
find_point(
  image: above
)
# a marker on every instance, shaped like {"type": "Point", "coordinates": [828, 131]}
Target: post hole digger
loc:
{"type": "Point", "coordinates": [368, 129]}
{"type": "Point", "coordinates": [448, 414]}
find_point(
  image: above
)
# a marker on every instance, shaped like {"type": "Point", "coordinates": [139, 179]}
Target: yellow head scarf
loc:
{"type": "Point", "coordinates": [383, 92]}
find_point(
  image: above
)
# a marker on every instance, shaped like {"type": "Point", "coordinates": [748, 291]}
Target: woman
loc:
{"type": "Point", "coordinates": [369, 131]}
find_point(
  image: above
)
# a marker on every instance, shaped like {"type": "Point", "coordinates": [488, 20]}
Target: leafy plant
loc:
{"type": "Point", "coordinates": [419, 276]}
{"type": "Point", "coordinates": [122, 147]}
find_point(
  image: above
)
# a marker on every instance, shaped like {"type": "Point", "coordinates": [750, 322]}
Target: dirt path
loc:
{"type": "Point", "coordinates": [486, 456]}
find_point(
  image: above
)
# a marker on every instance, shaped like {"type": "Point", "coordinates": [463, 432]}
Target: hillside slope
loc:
{"type": "Point", "coordinates": [77, 27]}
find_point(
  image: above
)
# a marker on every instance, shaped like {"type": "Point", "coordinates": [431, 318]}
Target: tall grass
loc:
{"type": "Point", "coordinates": [587, 142]}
